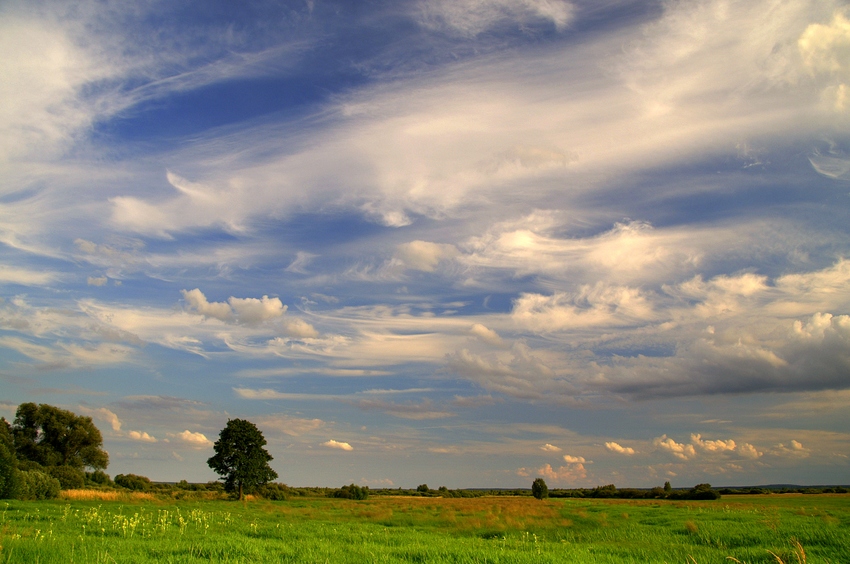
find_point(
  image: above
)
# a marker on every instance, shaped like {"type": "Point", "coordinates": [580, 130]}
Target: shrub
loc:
{"type": "Point", "coordinates": [37, 485]}
{"type": "Point", "coordinates": [539, 489]}
{"type": "Point", "coordinates": [98, 478]}
{"type": "Point", "coordinates": [274, 491]}
{"type": "Point", "coordinates": [69, 478]}
{"type": "Point", "coordinates": [133, 482]}
{"type": "Point", "coordinates": [9, 475]}
{"type": "Point", "coordinates": [352, 491]}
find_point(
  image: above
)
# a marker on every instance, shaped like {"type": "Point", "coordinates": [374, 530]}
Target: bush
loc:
{"type": "Point", "coordinates": [37, 485]}
{"type": "Point", "coordinates": [133, 482]}
{"type": "Point", "coordinates": [352, 491]}
{"type": "Point", "coordinates": [9, 475]}
{"type": "Point", "coordinates": [98, 478]}
{"type": "Point", "coordinates": [69, 478]}
{"type": "Point", "coordinates": [539, 489]}
{"type": "Point", "coordinates": [274, 491]}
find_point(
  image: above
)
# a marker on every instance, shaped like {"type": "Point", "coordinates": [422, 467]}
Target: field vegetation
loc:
{"type": "Point", "coordinates": [112, 526]}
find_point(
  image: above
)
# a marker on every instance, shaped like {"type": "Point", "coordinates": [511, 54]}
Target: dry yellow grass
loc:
{"type": "Point", "coordinates": [103, 495]}
{"type": "Point", "coordinates": [89, 495]}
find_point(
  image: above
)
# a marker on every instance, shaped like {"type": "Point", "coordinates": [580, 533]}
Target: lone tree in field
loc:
{"type": "Point", "coordinates": [52, 436]}
{"type": "Point", "coordinates": [539, 489]}
{"type": "Point", "coordinates": [240, 458]}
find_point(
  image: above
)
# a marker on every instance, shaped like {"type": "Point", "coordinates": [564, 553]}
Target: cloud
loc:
{"type": "Point", "coordinates": [574, 459]}
{"type": "Point", "coordinates": [103, 414]}
{"type": "Point", "coordinates": [423, 255]}
{"type": "Point", "coordinates": [288, 425]}
{"type": "Point", "coordinates": [146, 438]}
{"type": "Point", "coordinates": [616, 447]}
{"type": "Point", "coordinates": [99, 281]}
{"type": "Point", "coordinates": [679, 450]}
{"type": "Point", "coordinates": [712, 445]}
{"type": "Point", "coordinates": [25, 277]}
{"type": "Point", "coordinates": [550, 448]}
{"type": "Point", "coordinates": [472, 17]}
{"type": "Point", "coordinates": [746, 450]}
{"type": "Point", "coordinates": [562, 475]}
{"type": "Point", "coordinates": [794, 450]}
{"type": "Point", "coordinates": [336, 444]}
{"type": "Point", "coordinates": [485, 334]}
{"type": "Point", "coordinates": [410, 410]}
{"type": "Point", "coordinates": [195, 440]}
{"type": "Point", "coordinates": [249, 311]}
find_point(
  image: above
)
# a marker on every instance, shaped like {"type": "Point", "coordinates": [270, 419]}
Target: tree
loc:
{"type": "Point", "coordinates": [51, 436]}
{"type": "Point", "coordinates": [9, 475]}
{"type": "Point", "coordinates": [539, 489]}
{"type": "Point", "coordinates": [240, 458]}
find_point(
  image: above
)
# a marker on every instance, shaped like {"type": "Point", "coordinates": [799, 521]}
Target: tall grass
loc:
{"type": "Point", "coordinates": [493, 530]}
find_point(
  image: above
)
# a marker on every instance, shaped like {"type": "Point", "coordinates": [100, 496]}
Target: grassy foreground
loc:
{"type": "Point", "coordinates": [788, 528]}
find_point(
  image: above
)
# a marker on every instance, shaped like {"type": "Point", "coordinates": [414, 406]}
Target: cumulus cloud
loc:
{"type": "Point", "coordinates": [192, 439]}
{"type": "Point", "coordinates": [485, 334]}
{"type": "Point", "coordinates": [562, 475]}
{"type": "Point", "coordinates": [679, 450]}
{"type": "Point", "coordinates": [616, 447]}
{"type": "Point", "coordinates": [103, 414]}
{"type": "Point", "coordinates": [249, 311]}
{"type": "Point", "coordinates": [550, 448]}
{"type": "Point", "coordinates": [793, 450]}
{"type": "Point", "coordinates": [718, 445]}
{"type": "Point", "coordinates": [146, 438]}
{"type": "Point", "coordinates": [746, 450]}
{"type": "Point", "coordinates": [338, 445]}
{"type": "Point", "coordinates": [574, 459]}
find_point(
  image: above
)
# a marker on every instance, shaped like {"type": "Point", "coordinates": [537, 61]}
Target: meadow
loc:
{"type": "Point", "coordinates": [146, 528]}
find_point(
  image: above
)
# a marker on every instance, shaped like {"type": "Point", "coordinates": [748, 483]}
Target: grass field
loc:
{"type": "Point", "coordinates": [786, 528]}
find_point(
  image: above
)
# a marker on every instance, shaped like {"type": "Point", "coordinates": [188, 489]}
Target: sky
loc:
{"type": "Point", "coordinates": [466, 243]}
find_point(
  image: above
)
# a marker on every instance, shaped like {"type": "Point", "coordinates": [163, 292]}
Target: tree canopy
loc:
{"type": "Point", "coordinates": [240, 458]}
{"type": "Point", "coordinates": [539, 489]}
{"type": "Point", "coordinates": [52, 436]}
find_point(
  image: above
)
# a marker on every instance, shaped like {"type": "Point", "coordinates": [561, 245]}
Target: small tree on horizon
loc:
{"type": "Point", "coordinates": [539, 489]}
{"type": "Point", "coordinates": [240, 458]}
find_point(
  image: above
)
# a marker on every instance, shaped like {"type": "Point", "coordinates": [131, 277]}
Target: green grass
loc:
{"type": "Point", "coordinates": [749, 529]}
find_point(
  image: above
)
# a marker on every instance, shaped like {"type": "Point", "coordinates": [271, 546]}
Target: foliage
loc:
{"type": "Point", "coordinates": [98, 478]}
{"type": "Point", "coordinates": [240, 458]}
{"type": "Point", "coordinates": [52, 436]}
{"type": "Point", "coordinates": [9, 477]}
{"type": "Point", "coordinates": [352, 491]}
{"type": "Point", "coordinates": [539, 489]}
{"type": "Point", "coordinates": [69, 478]}
{"type": "Point", "coordinates": [133, 482]}
{"type": "Point", "coordinates": [37, 485]}
{"type": "Point", "coordinates": [274, 492]}
{"type": "Point", "coordinates": [423, 488]}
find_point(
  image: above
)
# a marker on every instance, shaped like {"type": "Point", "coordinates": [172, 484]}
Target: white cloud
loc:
{"type": "Point", "coordinates": [423, 255]}
{"type": "Point", "coordinates": [746, 450]}
{"type": "Point", "coordinates": [146, 438]}
{"type": "Point", "coordinates": [616, 447]}
{"type": "Point", "coordinates": [336, 444]}
{"type": "Point", "coordinates": [550, 448]}
{"type": "Point", "coordinates": [25, 277]}
{"type": "Point", "coordinates": [195, 440]}
{"type": "Point", "coordinates": [473, 17]}
{"type": "Point", "coordinates": [712, 446]}
{"type": "Point", "coordinates": [679, 450]}
{"type": "Point", "coordinates": [569, 459]}
{"type": "Point", "coordinates": [249, 311]}
{"type": "Point", "coordinates": [103, 414]}
{"type": "Point", "coordinates": [485, 334]}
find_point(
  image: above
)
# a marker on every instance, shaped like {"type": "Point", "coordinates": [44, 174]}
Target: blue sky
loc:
{"type": "Point", "coordinates": [464, 243]}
